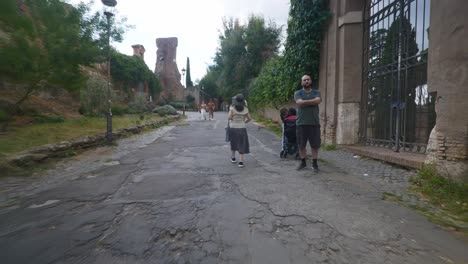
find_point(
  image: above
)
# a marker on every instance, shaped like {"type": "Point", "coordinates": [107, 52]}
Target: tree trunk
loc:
{"type": "Point", "coordinates": [25, 96]}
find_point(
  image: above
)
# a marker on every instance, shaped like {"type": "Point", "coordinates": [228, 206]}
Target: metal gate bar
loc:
{"type": "Point", "coordinates": [397, 112]}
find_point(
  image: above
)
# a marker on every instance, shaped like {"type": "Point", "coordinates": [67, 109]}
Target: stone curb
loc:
{"type": "Point", "coordinates": [405, 159]}
{"type": "Point", "coordinates": [38, 154]}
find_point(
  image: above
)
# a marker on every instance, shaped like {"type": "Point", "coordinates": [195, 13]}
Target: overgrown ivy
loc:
{"type": "Point", "coordinates": [267, 89]}
{"type": "Point", "coordinates": [280, 77]}
{"type": "Point", "coordinates": [132, 70]}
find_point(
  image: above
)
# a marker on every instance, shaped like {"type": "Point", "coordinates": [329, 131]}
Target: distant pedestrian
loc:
{"type": "Point", "coordinates": [238, 117]}
{"type": "Point", "coordinates": [211, 108]}
{"type": "Point", "coordinates": [308, 122]}
{"type": "Point", "coordinates": [202, 108]}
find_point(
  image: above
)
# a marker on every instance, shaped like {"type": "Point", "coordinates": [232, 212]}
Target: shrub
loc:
{"type": "Point", "coordinates": [450, 195]}
{"type": "Point", "coordinates": [9, 108]}
{"type": "Point", "coordinates": [190, 99]}
{"type": "Point", "coordinates": [43, 119]}
{"type": "Point", "coordinates": [138, 105]}
{"type": "Point", "coordinates": [119, 110]}
{"type": "Point", "coordinates": [329, 147]}
{"type": "Point", "coordinates": [4, 116]}
{"type": "Point", "coordinates": [165, 110]}
{"type": "Point", "coordinates": [94, 97]}
{"type": "Point", "coordinates": [439, 189]}
{"type": "Point", "coordinates": [178, 105]}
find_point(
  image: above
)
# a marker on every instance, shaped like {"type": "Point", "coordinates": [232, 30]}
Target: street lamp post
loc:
{"type": "Point", "coordinates": [109, 4]}
{"type": "Point", "coordinates": [183, 76]}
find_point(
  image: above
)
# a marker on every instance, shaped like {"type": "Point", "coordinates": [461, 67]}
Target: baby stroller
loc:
{"type": "Point", "coordinates": [289, 135]}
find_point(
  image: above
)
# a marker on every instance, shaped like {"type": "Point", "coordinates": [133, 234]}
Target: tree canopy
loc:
{"type": "Point", "coordinates": [46, 42]}
{"type": "Point", "coordinates": [242, 52]}
{"type": "Point", "coordinates": [248, 59]}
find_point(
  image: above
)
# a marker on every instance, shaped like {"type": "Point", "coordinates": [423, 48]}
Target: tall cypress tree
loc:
{"type": "Point", "coordinates": [188, 79]}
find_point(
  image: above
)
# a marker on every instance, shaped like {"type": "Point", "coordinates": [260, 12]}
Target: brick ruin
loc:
{"type": "Point", "coordinates": [167, 70]}
{"type": "Point", "coordinates": [142, 89]}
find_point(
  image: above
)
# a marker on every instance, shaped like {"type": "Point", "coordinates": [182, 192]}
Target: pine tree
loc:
{"type": "Point", "coordinates": [188, 79]}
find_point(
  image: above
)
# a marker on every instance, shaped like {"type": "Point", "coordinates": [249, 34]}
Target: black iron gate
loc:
{"type": "Point", "coordinates": [398, 112]}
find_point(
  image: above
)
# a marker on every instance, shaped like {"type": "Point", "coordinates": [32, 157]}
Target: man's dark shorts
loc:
{"type": "Point", "coordinates": [309, 133]}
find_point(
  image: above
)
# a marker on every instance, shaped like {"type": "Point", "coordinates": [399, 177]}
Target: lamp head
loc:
{"type": "Point", "coordinates": [110, 3]}
{"type": "Point", "coordinates": [109, 6]}
{"type": "Point", "coordinates": [108, 14]}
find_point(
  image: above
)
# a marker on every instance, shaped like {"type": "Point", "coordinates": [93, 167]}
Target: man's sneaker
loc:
{"type": "Point", "coordinates": [233, 160]}
{"type": "Point", "coordinates": [301, 166]}
{"type": "Point", "coordinates": [241, 164]}
{"type": "Point", "coordinates": [315, 169]}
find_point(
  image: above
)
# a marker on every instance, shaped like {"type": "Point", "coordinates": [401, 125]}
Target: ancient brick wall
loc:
{"type": "Point", "coordinates": [448, 78]}
{"type": "Point", "coordinates": [167, 70]}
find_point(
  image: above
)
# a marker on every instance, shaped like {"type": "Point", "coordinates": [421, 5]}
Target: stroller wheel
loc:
{"type": "Point", "coordinates": [283, 154]}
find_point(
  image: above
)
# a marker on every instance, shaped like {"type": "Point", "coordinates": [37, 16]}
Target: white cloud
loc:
{"type": "Point", "coordinates": [195, 23]}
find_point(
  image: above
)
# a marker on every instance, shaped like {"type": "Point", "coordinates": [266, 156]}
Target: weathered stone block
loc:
{"type": "Point", "coordinates": [42, 149]}
{"type": "Point", "coordinates": [347, 130]}
{"type": "Point", "coordinates": [64, 145]}
{"type": "Point", "coordinates": [25, 159]}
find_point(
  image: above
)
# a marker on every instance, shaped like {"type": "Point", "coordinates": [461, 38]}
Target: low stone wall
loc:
{"type": "Point", "coordinates": [273, 113]}
{"type": "Point", "coordinates": [38, 154]}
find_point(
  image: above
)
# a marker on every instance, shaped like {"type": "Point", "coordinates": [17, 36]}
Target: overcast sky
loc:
{"type": "Point", "coordinates": [195, 23]}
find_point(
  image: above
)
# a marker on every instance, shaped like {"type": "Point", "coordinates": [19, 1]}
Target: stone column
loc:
{"type": "Point", "coordinates": [340, 73]}
{"type": "Point", "coordinates": [349, 72]}
{"type": "Point", "coordinates": [448, 77]}
{"type": "Point", "coordinates": [328, 76]}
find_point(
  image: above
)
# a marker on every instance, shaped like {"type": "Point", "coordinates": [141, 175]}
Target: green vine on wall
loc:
{"type": "Point", "coordinates": [280, 77]}
{"type": "Point", "coordinates": [131, 70]}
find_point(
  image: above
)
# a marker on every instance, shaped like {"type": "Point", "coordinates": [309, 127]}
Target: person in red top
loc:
{"type": "Point", "coordinates": [289, 134]}
{"type": "Point", "coordinates": [290, 126]}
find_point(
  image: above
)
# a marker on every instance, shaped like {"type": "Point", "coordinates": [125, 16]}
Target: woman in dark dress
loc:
{"type": "Point", "coordinates": [238, 116]}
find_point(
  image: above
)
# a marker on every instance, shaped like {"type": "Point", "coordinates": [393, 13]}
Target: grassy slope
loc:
{"type": "Point", "coordinates": [23, 137]}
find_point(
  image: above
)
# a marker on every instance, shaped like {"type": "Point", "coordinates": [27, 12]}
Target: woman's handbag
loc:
{"type": "Point", "coordinates": [227, 132]}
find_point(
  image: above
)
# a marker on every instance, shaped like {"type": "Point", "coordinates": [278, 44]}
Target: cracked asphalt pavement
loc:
{"type": "Point", "coordinates": [173, 196]}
